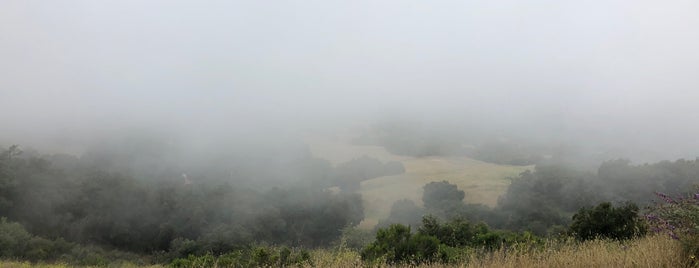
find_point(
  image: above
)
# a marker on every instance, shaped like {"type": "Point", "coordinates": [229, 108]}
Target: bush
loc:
{"type": "Point", "coordinates": [355, 238]}
{"type": "Point", "coordinates": [460, 233]}
{"type": "Point", "coordinates": [396, 244]}
{"type": "Point", "coordinates": [13, 239]}
{"type": "Point", "coordinates": [447, 243]}
{"type": "Point", "coordinates": [254, 257]}
{"type": "Point", "coordinates": [442, 198]}
{"type": "Point", "coordinates": [678, 217]}
{"type": "Point", "coordinates": [606, 221]}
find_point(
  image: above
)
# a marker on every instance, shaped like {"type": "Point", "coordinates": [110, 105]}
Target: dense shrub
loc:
{"type": "Point", "coordinates": [541, 200]}
{"type": "Point", "coordinates": [606, 221]}
{"type": "Point", "coordinates": [442, 198]}
{"type": "Point", "coordinates": [461, 233]}
{"type": "Point", "coordinates": [396, 244]}
{"type": "Point", "coordinates": [355, 238]}
{"type": "Point", "coordinates": [253, 257]}
{"type": "Point", "coordinates": [437, 242]}
{"type": "Point", "coordinates": [678, 217]}
{"type": "Point", "coordinates": [13, 239]}
{"type": "Point", "coordinates": [17, 243]}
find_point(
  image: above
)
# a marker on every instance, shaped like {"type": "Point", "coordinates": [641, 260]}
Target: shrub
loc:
{"type": "Point", "coordinates": [397, 245]}
{"type": "Point", "coordinates": [254, 257]}
{"type": "Point", "coordinates": [678, 217]}
{"type": "Point", "coordinates": [444, 242]}
{"type": "Point", "coordinates": [355, 238]}
{"type": "Point", "coordinates": [442, 198]}
{"type": "Point", "coordinates": [13, 239]}
{"type": "Point", "coordinates": [606, 221]}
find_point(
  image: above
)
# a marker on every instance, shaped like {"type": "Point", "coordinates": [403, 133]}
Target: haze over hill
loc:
{"type": "Point", "coordinates": [617, 77]}
{"type": "Point", "coordinates": [356, 133]}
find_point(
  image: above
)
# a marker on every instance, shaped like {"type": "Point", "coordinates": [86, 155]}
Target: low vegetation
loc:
{"type": "Point", "coordinates": [92, 211]}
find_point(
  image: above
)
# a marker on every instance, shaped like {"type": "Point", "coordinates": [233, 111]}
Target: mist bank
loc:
{"type": "Point", "coordinates": [523, 142]}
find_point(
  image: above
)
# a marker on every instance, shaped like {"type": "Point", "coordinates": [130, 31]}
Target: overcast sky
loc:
{"type": "Point", "coordinates": [629, 66]}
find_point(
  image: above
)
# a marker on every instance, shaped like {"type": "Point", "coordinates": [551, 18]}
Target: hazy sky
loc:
{"type": "Point", "coordinates": [601, 66]}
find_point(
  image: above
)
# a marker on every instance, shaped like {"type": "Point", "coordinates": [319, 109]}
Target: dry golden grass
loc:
{"type": "Point", "coordinates": [482, 182]}
{"type": "Point", "coordinates": [652, 251]}
{"type": "Point", "coordinates": [16, 264]}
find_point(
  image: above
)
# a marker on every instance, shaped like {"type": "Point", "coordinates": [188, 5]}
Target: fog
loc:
{"type": "Point", "coordinates": [253, 133]}
{"type": "Point", "coordinates": [620, 75]}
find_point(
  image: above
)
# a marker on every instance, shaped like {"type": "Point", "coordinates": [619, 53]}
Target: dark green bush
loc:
{"type": "Point", "coordinates": [679, 218]}
{"type": "Point", "coordinates": [444, 242]}
{"type": "Point", "coordinates": [253, 257]}
{"type": "Point", "coordinates": [606, 221]}
{"type": "Point", "coordinates": [397, 245]}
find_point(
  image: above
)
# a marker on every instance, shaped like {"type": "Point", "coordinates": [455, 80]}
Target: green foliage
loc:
{"type": "Point", "coordinates": [396, 244]}
{"type": "Point", "coordinates": [254, 257]}
{"type": "Point", "coordinates": [76, 199]}
{"type": "Point", "coordinates": [355, 238]}
{"type": "Point", "coordinates": [307, 218]}
{"type": "Point", "coordinates": [539, 200]}
{"type": "Point", "coordinates": [17, 243]}
{"type": "Point", "coordinates": [14, 239]}
{"type": "Point", "coordinates": [678, 217]}
{"type": "Point", "coordinates": [544, 200]}
{"type": "Point", "coordinates": [437, 242]}
{"type": "Point", "coordinates": [442, 197]}
{"type": "Point", "coordinates": [460, 233]}
{"type": "Point", "coordinates": [606, 221]}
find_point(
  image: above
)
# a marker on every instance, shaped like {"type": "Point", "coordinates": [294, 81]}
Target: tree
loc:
{"type": "Point", "coordinates": [442, 197]}
{"type": "Point", "coordinates": [397, 245]}
{"type": "Point", "coordinates": [606, 221]}
{"type": "Point", "coordinates": [8, 182]}
{"type": "Point", "coordinates": [404, 211]}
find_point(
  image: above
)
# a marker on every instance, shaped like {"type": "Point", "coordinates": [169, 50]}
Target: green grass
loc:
{"type": "Point", "coordinates": [482, 182]}
{"type": "Point", "coordinates": [26, 264]}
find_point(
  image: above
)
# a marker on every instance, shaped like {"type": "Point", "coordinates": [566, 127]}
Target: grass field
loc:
{"type": "Point", "coordinates": [17, 264]}
{"type": "Point", "coordinates": [482, 182]}
{"type": "Point", "coordinates": [651, 251]}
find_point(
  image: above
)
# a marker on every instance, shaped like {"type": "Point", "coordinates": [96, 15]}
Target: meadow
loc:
{"type": "Point", "coordinates": [482, 182]}
{"type": "Point", "coordinates": [650, 251]}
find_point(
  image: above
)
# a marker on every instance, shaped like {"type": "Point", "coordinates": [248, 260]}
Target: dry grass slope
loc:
{"type": "Point", "coordinates": [652, 251]}
{"type": "Point", "coordinates": [482, 182]}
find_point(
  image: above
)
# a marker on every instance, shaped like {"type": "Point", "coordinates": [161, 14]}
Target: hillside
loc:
{"type": "Point", "coordinates": [482, 182]}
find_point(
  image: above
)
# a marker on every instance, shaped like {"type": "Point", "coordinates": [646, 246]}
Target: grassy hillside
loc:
{"type": "Point", "coordinates": [651, 251]}
{"type": "Point", "coordinates": [482, 182]}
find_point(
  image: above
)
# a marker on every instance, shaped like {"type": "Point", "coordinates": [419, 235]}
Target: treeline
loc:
{"type": "Point", "coordinates": [107, 204]}
{"type": "Point", "coordinates": [544, 200]}
{"type": "Point", "coordinates": [411, 139]}
{"type": "Point", "coordinates": [519, 147]}
{"type": "Point", "coordinates": [108, 199]}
